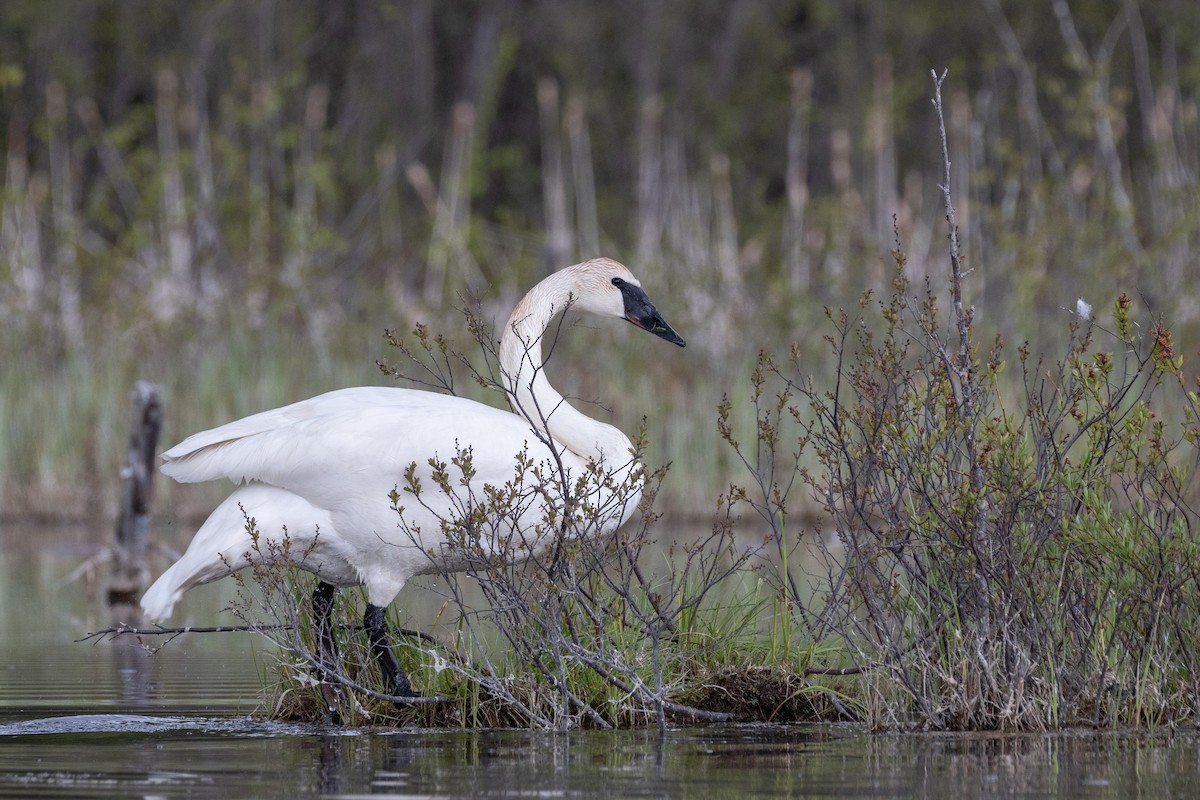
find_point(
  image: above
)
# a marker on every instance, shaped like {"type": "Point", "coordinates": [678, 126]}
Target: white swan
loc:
{"type": "Point", "coordinates": [322, 469]}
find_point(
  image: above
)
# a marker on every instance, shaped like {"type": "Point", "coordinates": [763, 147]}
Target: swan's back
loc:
{"type": "Point", "coordinates": [347, 431]}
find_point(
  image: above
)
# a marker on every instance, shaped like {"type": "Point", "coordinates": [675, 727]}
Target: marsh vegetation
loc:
{"type": "Point", "coordinates": [995, 478]}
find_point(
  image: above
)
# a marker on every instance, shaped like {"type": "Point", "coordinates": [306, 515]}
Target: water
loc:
{"type": "Point", "coordinates": [113, 720]}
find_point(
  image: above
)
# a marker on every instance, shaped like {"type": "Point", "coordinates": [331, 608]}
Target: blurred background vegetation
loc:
{"type": "Point", "coordinates": [235, 199]}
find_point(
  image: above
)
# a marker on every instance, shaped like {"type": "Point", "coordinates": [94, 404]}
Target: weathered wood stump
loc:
{"type": "Point", "coordinates": [130, 562]}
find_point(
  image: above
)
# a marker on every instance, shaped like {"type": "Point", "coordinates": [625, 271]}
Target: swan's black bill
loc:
{"type": "Point", "coordinates": [641, 312]}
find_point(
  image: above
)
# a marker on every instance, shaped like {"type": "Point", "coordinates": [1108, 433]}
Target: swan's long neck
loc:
{"type": "Point", "coordinates": [530, 393]}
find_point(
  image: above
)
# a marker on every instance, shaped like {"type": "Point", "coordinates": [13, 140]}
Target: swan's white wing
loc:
{"type": "Point", "coordinates": [331, 442]}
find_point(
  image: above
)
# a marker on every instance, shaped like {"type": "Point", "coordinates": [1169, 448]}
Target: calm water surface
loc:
{"type": "Point", "coordinates": [112, 720]}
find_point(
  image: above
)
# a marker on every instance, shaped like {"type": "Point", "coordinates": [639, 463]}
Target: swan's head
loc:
{"type": "Point", "coordinates": [608, 288]}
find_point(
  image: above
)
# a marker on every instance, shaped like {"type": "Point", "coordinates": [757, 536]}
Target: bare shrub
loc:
{"type": "Point", "coordinates": [1011, 555]}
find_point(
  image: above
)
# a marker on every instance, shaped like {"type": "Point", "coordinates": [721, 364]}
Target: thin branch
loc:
{"type": "Point", "coordinates": [160, 630]}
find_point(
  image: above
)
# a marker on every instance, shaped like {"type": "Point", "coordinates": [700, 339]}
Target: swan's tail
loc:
{"type": "Point", "coordinates": [196, 567]}
{"type": "Point", "coordinates": [217, 551]}
{"type": "Point", "coordinates": [222, 546]}
{"type": "Point", "coordinates": [160, 599]}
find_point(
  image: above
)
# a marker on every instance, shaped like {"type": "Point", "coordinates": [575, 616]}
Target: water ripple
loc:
{"type": "Point", "coordinates": [142, 724]}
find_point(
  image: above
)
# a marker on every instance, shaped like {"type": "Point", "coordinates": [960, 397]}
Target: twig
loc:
{"type": "Point", "coordinates": [159, 630]}
{"type": "Point", "coordinates": [962, 369]}
{"type": "Point", "coordinates": [962, 317]}
{"type": "Point", "coordinates": [336, 676]}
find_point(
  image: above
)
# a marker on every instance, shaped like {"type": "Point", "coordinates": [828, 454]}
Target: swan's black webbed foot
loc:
{"type": "Point", "coordinates": [395, 681]}
{"type": "Point", "coordinates": [327, 649]}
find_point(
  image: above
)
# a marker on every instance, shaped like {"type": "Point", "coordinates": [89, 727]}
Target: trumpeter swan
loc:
{"type": "Point", "coordinates": [322, 469]}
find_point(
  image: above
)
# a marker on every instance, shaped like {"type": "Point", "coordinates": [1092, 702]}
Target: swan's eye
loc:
{"type": "Point", "coordinates": [617, 282]}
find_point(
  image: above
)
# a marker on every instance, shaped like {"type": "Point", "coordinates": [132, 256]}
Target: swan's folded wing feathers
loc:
{"type": "Point", "coordinates": [369, 432]}
{"type": "Point", "coordinates": [207, 455]}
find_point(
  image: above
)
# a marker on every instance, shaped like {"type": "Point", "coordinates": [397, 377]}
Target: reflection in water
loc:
{"type": "Point", "coordinates": [88, 720]}
{"type": "Point", "coordinates": [242, 758]}
{"type": "Point", "coordinates": [329, 771]}
{"type": "Point", "coordinates": [133, 671]}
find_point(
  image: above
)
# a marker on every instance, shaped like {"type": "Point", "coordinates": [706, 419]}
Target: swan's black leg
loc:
{"type": "Point", "coordinates": [327, 650]}
{"type": "Point", "coordinates": [395, 682]}
{"type": "Point", "coordinates": [322, 612]}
